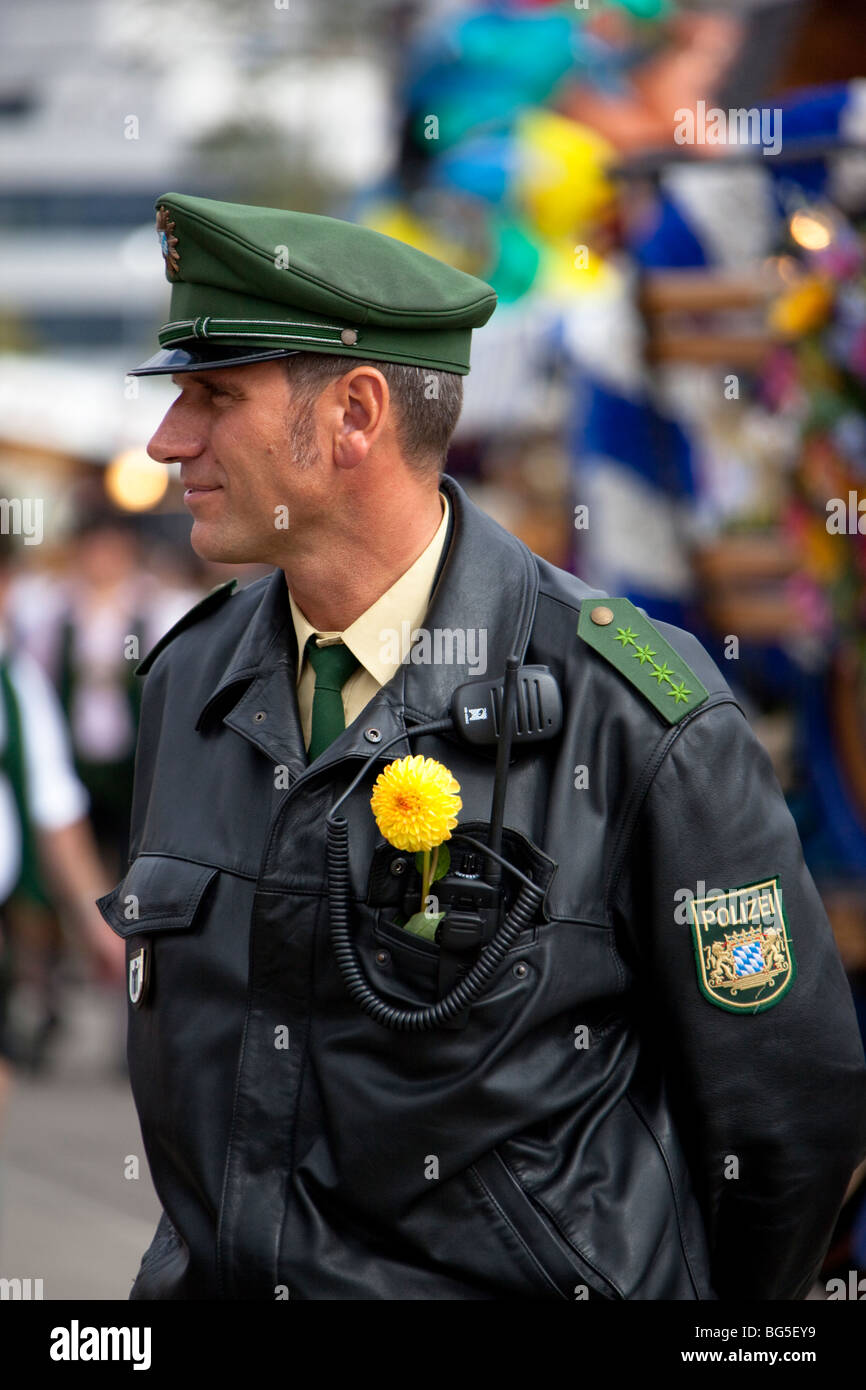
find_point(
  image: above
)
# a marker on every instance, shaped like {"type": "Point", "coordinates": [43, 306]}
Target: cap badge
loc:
{"type": "Point", "coordinates": [167, 241]}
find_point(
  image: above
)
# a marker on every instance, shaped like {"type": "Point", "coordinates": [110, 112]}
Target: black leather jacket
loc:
{"type": "Point", "coordinates": [598, 1128]}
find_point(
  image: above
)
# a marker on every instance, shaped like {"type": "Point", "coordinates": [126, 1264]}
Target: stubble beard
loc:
{"type": "Point", "coordinates": [302, 434]}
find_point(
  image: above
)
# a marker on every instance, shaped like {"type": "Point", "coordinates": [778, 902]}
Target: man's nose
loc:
{"type": "Point", "coordinates": [179, 437]}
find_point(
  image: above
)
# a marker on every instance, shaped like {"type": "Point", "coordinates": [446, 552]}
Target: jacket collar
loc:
{"type": "Point", "coordinates": [482, 605]}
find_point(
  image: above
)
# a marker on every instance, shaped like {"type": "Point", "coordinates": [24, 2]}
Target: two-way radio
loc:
{"type": "Point", "coordinates": [520, 709]}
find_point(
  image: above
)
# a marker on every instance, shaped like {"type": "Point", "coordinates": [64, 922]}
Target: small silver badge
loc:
{"type": "Point", "coordinates": [138, 976]}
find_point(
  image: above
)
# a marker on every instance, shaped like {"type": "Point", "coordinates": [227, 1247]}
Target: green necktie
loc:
{"type": "Point", "coordinates": [333, 666]}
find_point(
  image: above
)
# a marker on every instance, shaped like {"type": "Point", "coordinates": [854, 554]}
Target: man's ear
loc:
{"type": "Point", "coordinates": [363, 407]}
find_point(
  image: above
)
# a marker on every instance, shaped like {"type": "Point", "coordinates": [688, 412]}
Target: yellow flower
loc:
{"type": "Point", "coordinates": [415, 803]}
{"type": "Point", "coordinates": [802, 308]}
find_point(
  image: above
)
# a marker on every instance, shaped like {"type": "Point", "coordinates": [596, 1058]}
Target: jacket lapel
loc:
{"type": "Point", "coordinates": [486, 594]}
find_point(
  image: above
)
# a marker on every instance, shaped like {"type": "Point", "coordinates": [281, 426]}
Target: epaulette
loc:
{"type": "Point", "coordinates": [198, 610]}
{"type": "Point", "coordinates": [625, 637]}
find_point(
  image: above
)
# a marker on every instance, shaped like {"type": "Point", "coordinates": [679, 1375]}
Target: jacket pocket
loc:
{"type": "Point", "coordinates": [394, 882]}
{"type": "Point", "coordinates": [407, 960]}
{"type": "Point", "coordinates": [566, 1272]}
{"type": "Point", "coordinates": [153, 908]}
{"type": "Point", "coordinates": [163, 1265]}
{"type": "Point", "coordinates": [408, 966]}
{"type": "Point", "coordinates": [158, 893]}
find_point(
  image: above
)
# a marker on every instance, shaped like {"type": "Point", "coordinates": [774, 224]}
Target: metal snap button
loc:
{"type": "Point", "coordinates": [521, 969]}
{"type": "Point", "coordinates": [601, 616]}
{"type": "Point", "coordinates": [373, 735]}
{"type": "Point", "coordinates": [398, 866]}
{"type": "Point", "coordinates": [383, 957]}
{"type": "Point", "coordinates": [259, 716]}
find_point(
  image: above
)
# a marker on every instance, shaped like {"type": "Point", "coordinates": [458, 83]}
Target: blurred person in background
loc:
{"type": "Point", "coordinates": [47, 850]}
{"type": "Point", "coordinates": [108, 611]}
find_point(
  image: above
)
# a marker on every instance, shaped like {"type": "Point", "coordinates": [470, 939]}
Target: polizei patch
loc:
{"type": "Point", "coordinates": [743, 951]}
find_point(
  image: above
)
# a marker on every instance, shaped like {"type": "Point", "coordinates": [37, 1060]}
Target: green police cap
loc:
{"type": "Point", "coordinates": [250, 283]}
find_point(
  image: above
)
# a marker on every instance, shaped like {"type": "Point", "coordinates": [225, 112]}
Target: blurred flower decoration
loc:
{"type": "Point", "coordinates": [819, 374]}
{"type": "Point", "coordinates": [802, 308]}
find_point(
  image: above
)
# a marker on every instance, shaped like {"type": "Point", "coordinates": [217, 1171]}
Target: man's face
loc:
{"type": "Point", "coordinates": [247, 454]}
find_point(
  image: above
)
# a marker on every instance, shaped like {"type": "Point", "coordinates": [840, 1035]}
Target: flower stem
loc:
{"type": "Point", "coordinates": [433, 864]}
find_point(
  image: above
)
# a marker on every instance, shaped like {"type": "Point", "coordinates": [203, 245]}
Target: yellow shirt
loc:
{"type": "Point", "coordinates": [379, 638]}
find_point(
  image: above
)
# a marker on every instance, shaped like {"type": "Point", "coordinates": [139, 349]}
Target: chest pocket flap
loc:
{"type": "Point", "coordinates": [158, 893]}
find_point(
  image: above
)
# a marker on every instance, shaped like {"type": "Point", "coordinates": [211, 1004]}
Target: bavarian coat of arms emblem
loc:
{"type": "Point", "coordinates": [743, 952]}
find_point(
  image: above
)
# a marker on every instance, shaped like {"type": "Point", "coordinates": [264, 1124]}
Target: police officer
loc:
{"type": "Point", "coordinates": [655, 1087]}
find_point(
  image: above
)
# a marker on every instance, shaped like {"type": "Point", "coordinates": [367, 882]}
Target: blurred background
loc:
{"type": "Point", "coordinates": [670, 200]}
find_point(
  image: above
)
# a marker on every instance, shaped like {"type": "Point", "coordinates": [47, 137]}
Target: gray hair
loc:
{"type": "Point", "coordinates": [427, 402]}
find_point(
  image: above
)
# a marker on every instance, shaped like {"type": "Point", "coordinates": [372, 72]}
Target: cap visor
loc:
{"type": "Point", "coordinates": [168, 361]}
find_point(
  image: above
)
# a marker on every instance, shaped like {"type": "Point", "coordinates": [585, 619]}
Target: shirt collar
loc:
{"type": "Point", "coordinates": [382, 635]}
